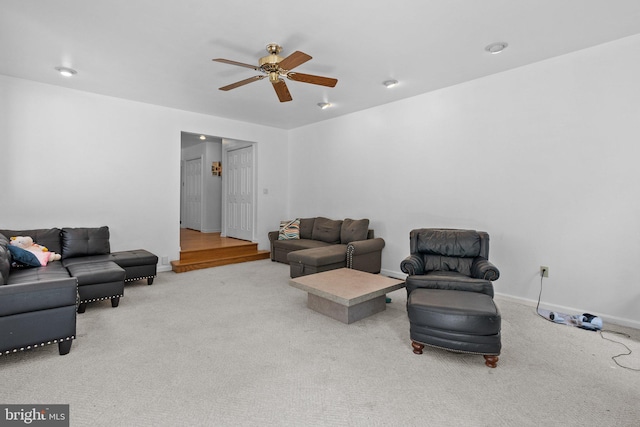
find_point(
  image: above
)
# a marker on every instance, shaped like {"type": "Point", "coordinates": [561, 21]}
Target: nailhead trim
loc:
{"type": "Point", "coordinates": [100, 299]}
{"type": "Point", "coordinates": [139, 278]}
{"type": "Point", "coordinates": [29, 347]}
{"type": "Point", "coordinates": [457, 351]}
{"type": "Point", "coordinates": [350, 251]}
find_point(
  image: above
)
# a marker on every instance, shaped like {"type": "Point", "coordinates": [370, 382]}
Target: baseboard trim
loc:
{"type": "Point", "coordinates": [394, 274]}
{"type": "Point", "coordinates": [548, 306]}
{"type": "Point", "coordinates": [162, 268]}
{"type": "Point", "coordinates": [572, 310]}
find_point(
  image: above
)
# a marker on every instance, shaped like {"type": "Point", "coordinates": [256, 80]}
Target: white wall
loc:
{"type": "Point", "coordinates": [75, 159]}
{"type": "Point", "coordinates": [544, 158]}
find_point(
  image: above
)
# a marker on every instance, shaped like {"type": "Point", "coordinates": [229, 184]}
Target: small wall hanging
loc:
{"type": "Point", "coordinates": [216, 168]}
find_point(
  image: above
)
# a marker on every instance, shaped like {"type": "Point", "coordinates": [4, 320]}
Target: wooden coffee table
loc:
{"type": "Point", "coordinates": [345, 294]}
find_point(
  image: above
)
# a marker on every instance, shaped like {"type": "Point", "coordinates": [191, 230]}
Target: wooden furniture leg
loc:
{"type": "Point", "coordinates": [417, 347]}
{"type": "Point", "coordinates": [490, 361]}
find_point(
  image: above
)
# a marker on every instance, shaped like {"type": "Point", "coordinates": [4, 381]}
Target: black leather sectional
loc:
{"type": "Point", "coordinates": [38, 305]}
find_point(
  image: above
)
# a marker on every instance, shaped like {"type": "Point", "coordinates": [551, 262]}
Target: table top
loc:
{"type": "Point", "coordinates": [346, 286]}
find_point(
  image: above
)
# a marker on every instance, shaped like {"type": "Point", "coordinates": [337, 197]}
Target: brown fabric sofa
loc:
{"type": "Point", "coordinates": [324, 244]}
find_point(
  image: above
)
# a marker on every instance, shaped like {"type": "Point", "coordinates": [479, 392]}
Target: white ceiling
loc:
{"type": "Point", "coordinates": [188, 139]}
{"type": "Point", "coordinates": [160, 51]}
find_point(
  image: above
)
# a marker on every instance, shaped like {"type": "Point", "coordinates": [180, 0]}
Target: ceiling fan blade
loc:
{"type": "Point", "coordinates": [239, 64]}
{"type": "Point", "coordinates": [242, 82]}
{"type": "Point", "coordinates": [316, 80]}
{"type": "Point", "coordinates": [293, 60]}
{"type": "Point", "coordinates": [282, 91]}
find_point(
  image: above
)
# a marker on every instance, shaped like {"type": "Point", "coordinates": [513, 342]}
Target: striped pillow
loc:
{"type": "Point", "coordinates": [289, 229]}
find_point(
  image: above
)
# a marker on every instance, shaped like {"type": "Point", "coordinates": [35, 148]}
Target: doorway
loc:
{"type": "Point", "coordinates": [214, 203]}
{"type": "Point", "coordinates": [200, 187]}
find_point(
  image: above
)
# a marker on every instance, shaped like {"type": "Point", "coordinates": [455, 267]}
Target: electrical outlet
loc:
{"type": "Point", "coordinates": [544, 271]}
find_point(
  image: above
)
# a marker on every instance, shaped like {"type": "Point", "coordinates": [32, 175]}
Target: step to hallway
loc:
{"type": "Point", "coordinates": [205, 250]}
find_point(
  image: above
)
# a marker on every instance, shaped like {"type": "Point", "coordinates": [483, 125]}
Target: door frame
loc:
{"type": "Point", "coordinates": [231, 145]}
{"type": "Point", "coordinates": [183, 194]}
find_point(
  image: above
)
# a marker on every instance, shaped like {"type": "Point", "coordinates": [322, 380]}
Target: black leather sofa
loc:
{"type": "Point", "coordinates": [38, 304]}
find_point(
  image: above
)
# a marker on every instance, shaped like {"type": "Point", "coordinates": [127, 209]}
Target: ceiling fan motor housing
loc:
{"type": "Point", "coordinates": [269, 63]}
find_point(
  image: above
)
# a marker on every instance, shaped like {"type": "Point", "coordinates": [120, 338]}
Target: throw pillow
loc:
{"type": "Point", "coordinates": [85, 241]}
{"type": "Point", "coordinates": [23, 257]}
{"type": "Point", "coordinates": [353, 230]}
{"type": "Point", "coordinates": [306, 228]}
{"type": "Point", "coordinates": [289, 230]}
{"type": "Point", "coordinates": [326, 230]}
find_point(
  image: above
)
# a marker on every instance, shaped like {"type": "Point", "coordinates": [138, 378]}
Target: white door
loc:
{"type": "Point", "coordinates": [193, 194]}
{"type": "Point", "coordinates": [239, 171]}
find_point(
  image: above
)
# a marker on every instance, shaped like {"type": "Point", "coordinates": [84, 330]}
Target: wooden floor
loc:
{"type": "Point", "coordinates": [203, 250]}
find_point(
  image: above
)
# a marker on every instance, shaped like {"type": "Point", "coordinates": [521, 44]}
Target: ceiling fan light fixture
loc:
{"type": "Point", "coordinates": [324, 105]}
{"type": "Point", "coordinates": [274, 77]}
{"type": "Point", "coordinates": [495, 48]}
{"type": "Point", "coordinates": [66, 71]}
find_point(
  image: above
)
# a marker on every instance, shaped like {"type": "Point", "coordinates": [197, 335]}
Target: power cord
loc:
{"type": "Point", "coordinates": [539, 296]}
{"type": "Point", "coordinates": [622, 344]}
{"type": "Point", "coordinates": [600, 332]}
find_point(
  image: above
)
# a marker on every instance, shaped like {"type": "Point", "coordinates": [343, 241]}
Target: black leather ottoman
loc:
{"type": "Point", "coordinates": [98, 281]}
{"type": "Point", "coordinates": [466, 322]}
{"type": "Point", "coordinates": [138, 264]}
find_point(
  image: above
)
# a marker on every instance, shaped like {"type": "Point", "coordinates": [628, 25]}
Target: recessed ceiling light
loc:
{"type": "Point", "coordinates": [390, 83]}
{"type": "Point", "coordinates": [497, 47]}
{"type": "Point", "coordinates": [67, 72]}
{"type": "Point", "coordinates": [202, 137]}
{"type": "Point", "coordinates": [324, 105]}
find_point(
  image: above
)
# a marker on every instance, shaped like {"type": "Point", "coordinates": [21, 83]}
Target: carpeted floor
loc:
{"type": "Point", "coordinates": [237, 346]}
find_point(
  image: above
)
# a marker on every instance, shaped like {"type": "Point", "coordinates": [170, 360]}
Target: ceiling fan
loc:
{"type": "Point", "coordinates": [275, 67]}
